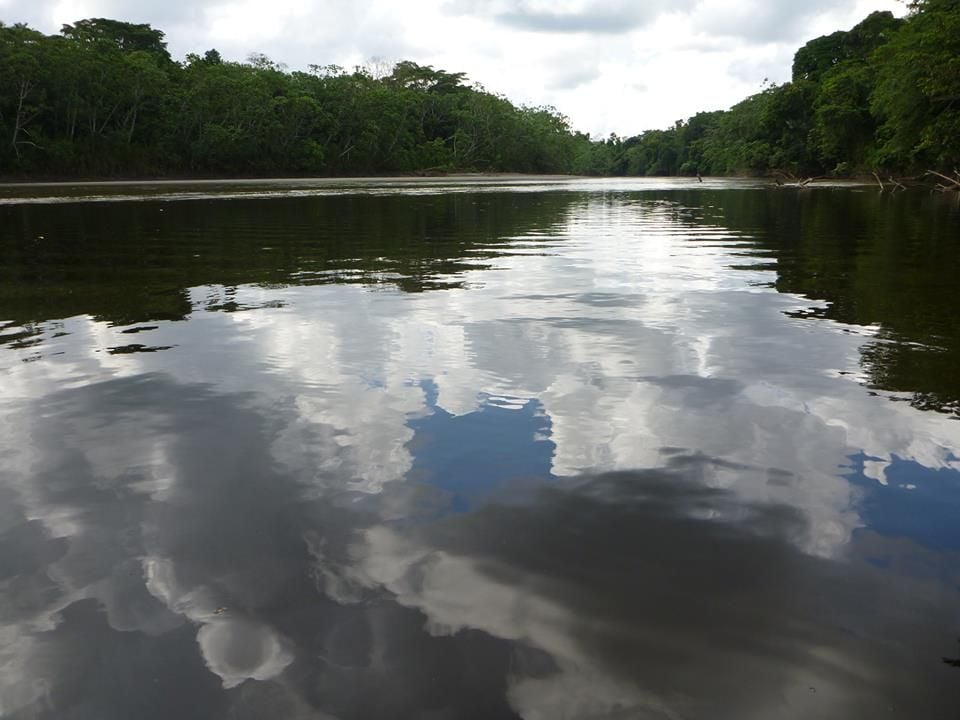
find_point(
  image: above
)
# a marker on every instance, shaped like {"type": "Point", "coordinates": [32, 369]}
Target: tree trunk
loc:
{"type": "Point", "coordinates": [18, 120]}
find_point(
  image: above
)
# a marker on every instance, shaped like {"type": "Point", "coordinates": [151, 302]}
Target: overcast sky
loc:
{"type": "Point", "coordinates": [610, 65]}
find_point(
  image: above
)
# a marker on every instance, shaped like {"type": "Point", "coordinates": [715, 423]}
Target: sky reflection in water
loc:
{"type": "Point", "coordinates": [542, 454]}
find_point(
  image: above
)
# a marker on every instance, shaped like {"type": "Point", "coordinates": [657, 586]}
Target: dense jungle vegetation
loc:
{"type": "Point", "coordinates": [105, 98]}
{"type": "Point", "coordinates": [884, 95]}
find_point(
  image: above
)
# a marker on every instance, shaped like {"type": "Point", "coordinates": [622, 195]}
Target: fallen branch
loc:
{"type": "Point", "coordinates": [793, 180]}
{"type": "Point", "coordinates": [954, 183]}
{"type": "Point", "coordinates": [880, 182]}
{"type": "Point", "coordinates": [897, 184]}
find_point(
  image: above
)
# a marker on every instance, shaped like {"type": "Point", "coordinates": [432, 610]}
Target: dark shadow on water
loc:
{"type": "Point", "coordinates": [132, 262]}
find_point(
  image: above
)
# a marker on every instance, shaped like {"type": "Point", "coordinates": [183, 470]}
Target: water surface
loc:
{"type": "Point", "coordinates": [585, 449]}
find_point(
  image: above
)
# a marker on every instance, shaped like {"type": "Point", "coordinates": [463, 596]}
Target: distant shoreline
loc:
{"type": "Point", "coordinates": [464, 177]}
{"type": "Point", "coordinates": [312, 180]}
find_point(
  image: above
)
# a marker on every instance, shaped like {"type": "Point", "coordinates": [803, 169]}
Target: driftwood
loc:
{"type": "Point", "coordinates": [897, 184]}
{"type": "Point", "coordinates": [794, 181]}
{"type": "Point", "coordinates": [942, 183]}
{"type": "Point", "coordinates": [954, 184]}
{"type": "Point", "coordinates": [879, 182]}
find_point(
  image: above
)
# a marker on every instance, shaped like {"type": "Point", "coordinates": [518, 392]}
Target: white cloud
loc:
{"type": "Point", "coordinates": [609, 17]}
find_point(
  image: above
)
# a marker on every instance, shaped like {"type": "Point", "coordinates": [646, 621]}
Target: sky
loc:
{"type": "Point", "coordinates": [609, 65]}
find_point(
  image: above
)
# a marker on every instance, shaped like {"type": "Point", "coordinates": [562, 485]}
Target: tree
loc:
{"type": "Point", "coordinates": [817, 57]}
{"type": "Point", "coordinates": [22, 71]}
{"type": "Point", "coordinates": [104, 97]}
{"type": "Point", "coordinates": [844, 128]}
{"type": "Point", "coordinates": [917, 97]}
{"type": "Point", "coordinates": [127, 37]}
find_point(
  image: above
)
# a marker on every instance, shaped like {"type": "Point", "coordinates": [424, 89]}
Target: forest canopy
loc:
{"type": "Point", "coordinates": [884, 95]}
{"type": "Point", "coordinates": [105, 98]}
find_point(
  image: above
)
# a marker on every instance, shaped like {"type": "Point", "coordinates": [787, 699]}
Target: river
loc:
{"type": "Point", "coordinates": [455, 449]}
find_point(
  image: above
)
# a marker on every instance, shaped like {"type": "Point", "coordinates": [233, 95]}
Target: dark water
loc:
{"type": "Point", "coordinates": [583, 450]}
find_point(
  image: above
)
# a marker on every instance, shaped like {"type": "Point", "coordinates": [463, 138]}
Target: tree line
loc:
{"type": "Point", "coordinates": [883, 96]}
{"type": "Point", "coordinates": [105, 98]}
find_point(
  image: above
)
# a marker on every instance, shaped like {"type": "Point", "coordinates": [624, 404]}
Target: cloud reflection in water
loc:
{"type": "Point", "coordinates": [606, 475]}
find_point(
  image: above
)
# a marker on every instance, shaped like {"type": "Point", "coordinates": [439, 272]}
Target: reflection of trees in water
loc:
{"type": "Point", "coordinates": [875, 260]}
{"type": "Point", "coordinates": [887, 260]}
{"type": "Point", "coordinates": [128, 262]}
{"type": "Point", "coordinates": [930, 374]}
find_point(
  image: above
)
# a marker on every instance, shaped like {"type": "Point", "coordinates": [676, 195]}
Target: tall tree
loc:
{"type": "Point", "coordinates": [22, 75]}
{"type": "Point", "coordinates": [128, 37]}
{"type": "Point", "coordinates": [917, 98]}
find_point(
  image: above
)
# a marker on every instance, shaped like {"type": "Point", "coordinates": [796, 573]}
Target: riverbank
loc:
{"type": "Point", "coordinates": [338, 180]}
{"type": "Point", "coordinates": [420, 179]}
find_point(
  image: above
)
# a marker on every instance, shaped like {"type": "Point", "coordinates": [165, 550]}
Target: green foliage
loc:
{"type": "Point", "coordinates": [23, 80]}
{"type": "Point", "coordinates": [104, 98]}
{"type": "Point", "coordinates": [885, 94]}
{"type": "Point", "coordinates": [817, 57]}
{"type": "Point", "coordinates": [917, 96]}
{"type": "Point", "coordinates": [843, 126]}
{"type": "Point", "coordinates": [124, 36]}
